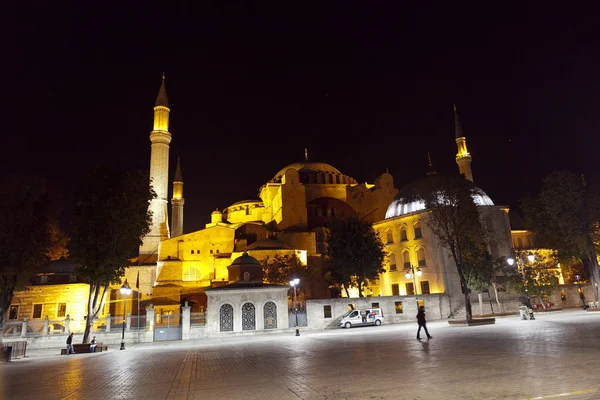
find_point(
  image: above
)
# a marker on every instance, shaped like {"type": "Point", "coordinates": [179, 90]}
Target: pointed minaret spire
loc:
{"type": "Point", "coordinates": [178, 177]}
{"type": "Point", "coordinates": [162, 99]}
{"type": "Point", "coordinates": [457, 128]}
{"type": "Point", "coordinates": [432, 170]}
{"type": "Point", "coordinates": [463, 158]}
{"type": "Point", "coordinates": [305, 154]}
{"type": "Point", "coordinates": [177, 202]}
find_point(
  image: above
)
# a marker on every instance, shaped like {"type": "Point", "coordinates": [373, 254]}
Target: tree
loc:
{"type": "Point", "coordinates": [355, 254]}
{"type": "Point", "coordinates": [29, 216]}
{"type": "Point", "coordinates": [534, 279]}
{"type": "Point", "coordinates": [454, 219]}
{"type": "Point", "coordinates": [110, 220]}
{"type": "Point", "coordinates": [564, 216]}
{"type": "Point", "coordinates": [479, 270]}
{"type": "Point", "coordinates": [282, 268]}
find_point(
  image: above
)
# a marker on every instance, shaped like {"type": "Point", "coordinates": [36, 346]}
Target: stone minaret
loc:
{"type": "Point", "coordinates": [177, 203]}
{"type": "Point", "coordinates": [463, 158]}
{"type": "Point", "coordinates": [159, 176]}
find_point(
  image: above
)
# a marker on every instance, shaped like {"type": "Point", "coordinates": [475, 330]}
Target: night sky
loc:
{"type": "Point", "coordinates": [363, 87]}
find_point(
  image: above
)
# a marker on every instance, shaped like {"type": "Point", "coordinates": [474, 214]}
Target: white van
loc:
{"type": "Point", "coordinates": [369, 316]}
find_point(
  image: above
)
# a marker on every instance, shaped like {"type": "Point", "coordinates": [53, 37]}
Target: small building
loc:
{"type": "Point", "coordinates": [246, 304]}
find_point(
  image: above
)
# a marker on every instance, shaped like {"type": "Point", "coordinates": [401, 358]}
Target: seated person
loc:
{"type": "Point", "coordinates": [93, 345]}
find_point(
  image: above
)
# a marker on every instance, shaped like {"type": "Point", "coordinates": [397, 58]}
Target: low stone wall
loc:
{"type": "Point", "coordinates": [60, 341]}
{"type": "Point", "coordinates": [198, 332]}
{"type": "Point", "coordinates": [395, 309]}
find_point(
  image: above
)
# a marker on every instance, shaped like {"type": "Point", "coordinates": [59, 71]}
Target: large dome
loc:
{"type": "Point", "coordinates": [408, 199]}
{"type": "Point", "coordinates": [308, 166]}
{"type": "Point", "coordinates": [315, 172]}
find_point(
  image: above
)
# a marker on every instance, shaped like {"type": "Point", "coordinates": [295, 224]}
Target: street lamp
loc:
{"type": "Point", "coordinates": [579, 291]}
{"type": "Point", "coordinates": [294, 282]}
{"type": "Point", "coordinates": [125, 290]}
{"type": "Point", "coordinates": [413, 272]}
{"type": "Point", "coordinates": [521, 268]}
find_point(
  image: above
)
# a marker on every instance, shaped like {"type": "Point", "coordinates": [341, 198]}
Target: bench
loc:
{"type": "Point", "coordinates": [85, 348]}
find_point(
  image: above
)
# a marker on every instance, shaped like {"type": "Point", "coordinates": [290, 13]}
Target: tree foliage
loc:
{"type": "Point", "coordinates": [454, 219]}
{"type": "Point", "coordinates": [564, 216]}
{"type": "Point", "coordinates": [282, 268]}
{"type": "Point", "coordinates": [534, 279]}
{"type": "Point", "coordinates": [110, 220]}
{"type": "Point", "coordinates": [29, 214]}
{"type": "Point", "coordinates": [355, 254]}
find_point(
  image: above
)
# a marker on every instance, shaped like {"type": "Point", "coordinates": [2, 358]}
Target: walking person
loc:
{"type": "Point", "coordinates": [70, 349]}
{"type": "Point", "coordinates": [422, 323]}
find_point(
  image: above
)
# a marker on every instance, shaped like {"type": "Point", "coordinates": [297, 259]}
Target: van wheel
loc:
{"type": "Point", "coordinates": [377, 322]}
{"type": "Point", "coordinates": [348, 325]}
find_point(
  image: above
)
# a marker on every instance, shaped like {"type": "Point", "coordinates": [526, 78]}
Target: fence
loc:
{"type": "Point", "coordinates": [198, 318]}
{"type": "Point", "coordinates": [14, 350]}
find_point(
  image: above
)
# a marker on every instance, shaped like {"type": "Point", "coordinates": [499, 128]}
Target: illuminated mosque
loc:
{"type": "Point", "coordinates": [292, 215]}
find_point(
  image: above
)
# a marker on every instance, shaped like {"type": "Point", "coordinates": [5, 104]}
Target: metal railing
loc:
{"type": "Point", "coordinates": [198, 318]}
{"type": "Point", "coordinates": [14, 350]}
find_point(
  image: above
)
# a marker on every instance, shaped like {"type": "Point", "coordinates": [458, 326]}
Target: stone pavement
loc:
{"type": "Point", "coordinates": [555, 356]}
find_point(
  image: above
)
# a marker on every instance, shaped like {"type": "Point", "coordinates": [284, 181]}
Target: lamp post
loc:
{"type": "Point", "coordinates": [125, 290]}
{"type": "Point", "coordinates": [413, 272]}
{"type": "Point", "coordinates": [521, 267]}
{"type": "Point", "coordinates": [579, 291]}
{"type": "Point", "coordinates": [294, 282]}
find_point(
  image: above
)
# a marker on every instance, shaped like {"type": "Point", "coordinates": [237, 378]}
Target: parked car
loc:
{"type": "Point", "coordinates": [369, 316]}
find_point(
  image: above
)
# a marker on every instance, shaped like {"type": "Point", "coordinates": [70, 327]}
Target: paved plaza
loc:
{"type": "Point", "coordinates": [555, 356]}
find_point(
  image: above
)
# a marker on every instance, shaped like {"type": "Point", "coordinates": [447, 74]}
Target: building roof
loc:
{"type": "Point", "coordinates": [269, 244]}
{"type": "Point", "coordinates": [245, 259]}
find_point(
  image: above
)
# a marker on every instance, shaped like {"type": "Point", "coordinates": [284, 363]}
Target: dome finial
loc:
{"type": "Point", "coordinates": [305, 154]}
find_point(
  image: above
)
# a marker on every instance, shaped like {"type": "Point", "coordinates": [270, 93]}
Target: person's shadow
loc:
{"type": "Point", "coordinates": [425, 344]}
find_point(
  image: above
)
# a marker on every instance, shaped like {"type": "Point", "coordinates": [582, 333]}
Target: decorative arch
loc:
{"type": "Point", "coordinates": [403, 233]}
{"type": "Point", "coordinates": [406, 258]}
{"type": "Point", "coordinates": [392, 258]}
{"type": "Point", "coordinates": [418, 229]}
{"type": "Point", "coordinates": [489, 223]}
{"type": "Point", "coordinates": [226, 318]}
{"type": "Point", "coordinates": [421, 257]}
{"type": "Point", "coordinates": [389, 236]}
{"type": "Point", "coordinates": [248, 317]}
{"type": "Point", "coordinates": [270, 315]}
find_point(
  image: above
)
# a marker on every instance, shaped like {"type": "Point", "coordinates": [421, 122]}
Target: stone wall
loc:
{"type": "Point", "coordinates": [395, 309]}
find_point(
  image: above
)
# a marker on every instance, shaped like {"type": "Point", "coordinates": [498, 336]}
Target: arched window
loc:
{"type": "Point", "coordinates": [246, 276]}
{"type": "Point", "coordinates": [406, 259]}
{"type": "Point", "coordinates": [403, 236]}
{"type": "Point", "coordinates": [393, 262]}
{"type": "Point", "coordinates": [190, 274]}
{"type": "Point", "coordinates": [270, 315]}
{"type": "Point", "coordinates": [248, 317]}
{"type": "Point", "coordinates": [421, 257]}
{"type": "Point", "coordinates": [418, 230]}
{"type": "Point", "coordinates": [389, 236]}
{"type": "Point", "coordinates": [226, 318]}
{"type": "Point", "coordinates": [489, 223]}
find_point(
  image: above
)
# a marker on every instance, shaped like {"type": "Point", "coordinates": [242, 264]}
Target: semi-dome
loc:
{"type": "Point", "coordinates": [408, 199]}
